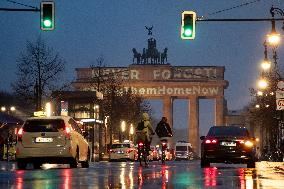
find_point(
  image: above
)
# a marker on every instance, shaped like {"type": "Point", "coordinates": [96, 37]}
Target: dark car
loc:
{"type": "Point", "coordinates": [228, 144]}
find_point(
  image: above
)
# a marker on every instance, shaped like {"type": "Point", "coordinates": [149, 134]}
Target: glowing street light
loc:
{"type": "Point", "coordinates": [131, 131]}
{"type": "Point", "coordinates": [123, 126]}
{"type": "Point", "coordinates": [262, 84]}
{"type": "Point", "coordinates": [48, 109]}
{"type": "Point", "coordinates": [273, 38]}
{"type": "Point", "coordinates": [266, 64]}
{"type": "Point", "coordinates": [259, 93]}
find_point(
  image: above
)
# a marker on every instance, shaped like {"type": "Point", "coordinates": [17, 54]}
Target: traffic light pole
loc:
{"type": "Point", "coordinates": [238, 20]}
{"type": "Point", "coordinates": [20, 10]}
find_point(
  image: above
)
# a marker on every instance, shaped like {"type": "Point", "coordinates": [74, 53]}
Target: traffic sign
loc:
{"type": "Point", "coordinates": [280, 85]}
{"type": "Point", "coordinates": [280, 104]}
{"type": "Point", "coordinates": [279, 94]}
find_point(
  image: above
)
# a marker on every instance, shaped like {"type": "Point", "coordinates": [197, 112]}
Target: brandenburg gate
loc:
{"type": "Point", "coordinates": [166, 82]}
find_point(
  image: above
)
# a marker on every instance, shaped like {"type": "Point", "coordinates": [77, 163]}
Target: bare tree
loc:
{"type": "Point", "coordinates": [39, 71]}
{"type": "Point", "coordinates": [118, 104]}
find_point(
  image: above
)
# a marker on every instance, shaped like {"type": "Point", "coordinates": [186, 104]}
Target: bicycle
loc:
{"type": "Point", "coordinates": [164, 148]}
{"type": "Point", "coordinates": [142, 153]}
{"type": "Point", "coordinates": [142, 148]}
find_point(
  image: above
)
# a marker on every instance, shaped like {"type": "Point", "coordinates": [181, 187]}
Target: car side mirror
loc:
{"type": "Point", "coordinates": [202, 137]}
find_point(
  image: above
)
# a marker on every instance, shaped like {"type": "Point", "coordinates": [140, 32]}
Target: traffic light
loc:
{"type": "Point", "coordinates": [47, 15]}
{"type": "Point", "coordinates": [188, 25]}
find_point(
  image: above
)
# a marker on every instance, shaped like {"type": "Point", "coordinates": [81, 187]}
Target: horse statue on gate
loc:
{"type": "Point", "coordinates": [136, 55]}
{"type": "Point", "coordinates": [144, 58]}
{"type": "Point", "coordinates": [164, 56]}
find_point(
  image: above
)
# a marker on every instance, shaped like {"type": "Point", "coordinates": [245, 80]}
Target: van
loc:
{"type": "Point", "coordinates": [183, 151]}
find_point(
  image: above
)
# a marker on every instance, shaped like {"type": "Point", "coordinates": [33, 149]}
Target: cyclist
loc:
{"type": "Point", "coordinates": [144, 131]}
{"type": "Point", "coordinates": [163, 129]}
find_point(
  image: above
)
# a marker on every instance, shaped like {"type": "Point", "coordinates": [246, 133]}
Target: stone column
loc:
{"type": "Point", "coordinates": [193, 123]}
{"type": "Point", "coordinates": [168, 113]}
{"type": "Point", "coordinates": [168, 109]}
{"type": "Point", "coordinates": [219, 111]}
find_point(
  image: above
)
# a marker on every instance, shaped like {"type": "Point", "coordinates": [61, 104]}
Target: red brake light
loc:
{"type": "Point", "coordinates": [111, 151]}
{"type": "Point", "coordinates": [20, 134]}
{"type": "Point", "coordinates": [241, 141]}
{"type": "Point", "coordinates": [164, 143]}
{"type": "Point", "coordinates": [207, 141]}
{"type": "Point", "coordinates": [67, 131]}
{"type": "Point", "coordinates": [140, 144]}
{"type": "Point", "coordinates": [210, 141]}
{"type": "Point", "coordinates": [129, 151]}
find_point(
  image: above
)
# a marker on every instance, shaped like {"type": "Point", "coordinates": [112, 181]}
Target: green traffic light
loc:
{"type": "Point", "coordinates": [188, 25]}
{"type": "Point", "coordinates": [47, 23]}
{"type": "Point", "coordinates": [187, 32]}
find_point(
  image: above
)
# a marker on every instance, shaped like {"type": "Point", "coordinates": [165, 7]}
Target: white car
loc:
{"type": "Point", "coordinates": [55, 139]}
{"type": "Point", "coordinates": [122, 151]}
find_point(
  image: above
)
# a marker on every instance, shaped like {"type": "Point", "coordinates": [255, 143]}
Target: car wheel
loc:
{"type": "Point", "coordinates": [22, 165]}
{"type": "Point", "coordinates": [204, 163]}
{"type": "Point", "coordinates": [251, 164]}
{"type": "Point", "coordinates": [74, 163]}
{"type": "Point", "coordinates": [85, 164]}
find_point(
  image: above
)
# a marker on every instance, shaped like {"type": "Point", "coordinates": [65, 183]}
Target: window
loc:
{"type": "Point", "coordinates": [181, 148]}
{"type": "Point", "coordinates": [75, 126]}
{"type": "Point", "coordinates": [120, 146]}
{"type": "Point", "coordinates": [44, 125]}
{"type": "Point", "coordinates": [228, 131]}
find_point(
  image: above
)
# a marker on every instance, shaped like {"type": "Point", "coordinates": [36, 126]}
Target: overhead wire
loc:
{"type": "Point", "coordinates": [231, 8]}
{"type": "Point", "coordinates": [10, 1]}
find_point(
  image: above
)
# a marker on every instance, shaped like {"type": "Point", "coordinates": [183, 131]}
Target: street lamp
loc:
{"type": "Point", "coordinates": [266, 64]}
{"type": "Point", "coordinates": [131, 132]}
{"type": "Point", "coordinates": [262, 83]}
{"type": "Point", "coordinates": [123, 127]}
{"type": "Point", "coordinates": [48, 109]}
{"type": "Point", "coordinates": [274, 37]}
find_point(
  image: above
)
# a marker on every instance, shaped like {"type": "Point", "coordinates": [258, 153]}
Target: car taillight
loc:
{"type": "Point", "coordinates": [164, 143]}
{"type": "Point", "coordinates": [20, 134]}
{"type": "Point", "coordinates": [210, 141]}
{"type": "Point", "coordinates": [67, 131]}
{"type": "Point", "coordinates": [140, 144]}
{"type": "Point", "coordinates": [241, 141]}
{"type": "Point", "coordinates": [111, 151]}
{"type": "Point", "coordinates": [129, 151]}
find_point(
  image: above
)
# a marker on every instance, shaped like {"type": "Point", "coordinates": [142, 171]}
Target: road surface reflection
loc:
{"type": "Point", "coordinates": [131, 175]}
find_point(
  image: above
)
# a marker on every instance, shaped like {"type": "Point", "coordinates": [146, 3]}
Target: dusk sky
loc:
{"type": "Point", "coordinates": [86, 29]}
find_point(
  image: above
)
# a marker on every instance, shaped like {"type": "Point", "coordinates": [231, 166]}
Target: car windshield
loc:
{"type": "Point", "coordinates": [120, 146]}
{"type": "Point", "coordinates": [228, 131]}
{"type": "Point", "coordinates": [43, 125]}
{"type": "Point", "coordinates": [181, 148]}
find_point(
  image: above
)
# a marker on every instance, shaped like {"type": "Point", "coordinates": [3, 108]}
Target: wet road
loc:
{"type": "Point", "coordinates": [175, 175]}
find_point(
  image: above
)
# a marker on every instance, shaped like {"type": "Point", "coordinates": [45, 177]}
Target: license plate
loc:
{"type": "Point", "coordinates": [40, 139]}
{"type": "Point", "coordinates": [228, 143]}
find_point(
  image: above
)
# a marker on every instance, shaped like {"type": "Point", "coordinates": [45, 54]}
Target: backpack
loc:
{"type": "Point", "coordinates": [140, 126]}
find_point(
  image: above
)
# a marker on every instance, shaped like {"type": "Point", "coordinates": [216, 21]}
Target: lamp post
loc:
{"type": "Point", "coordinates": [269, 78]}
